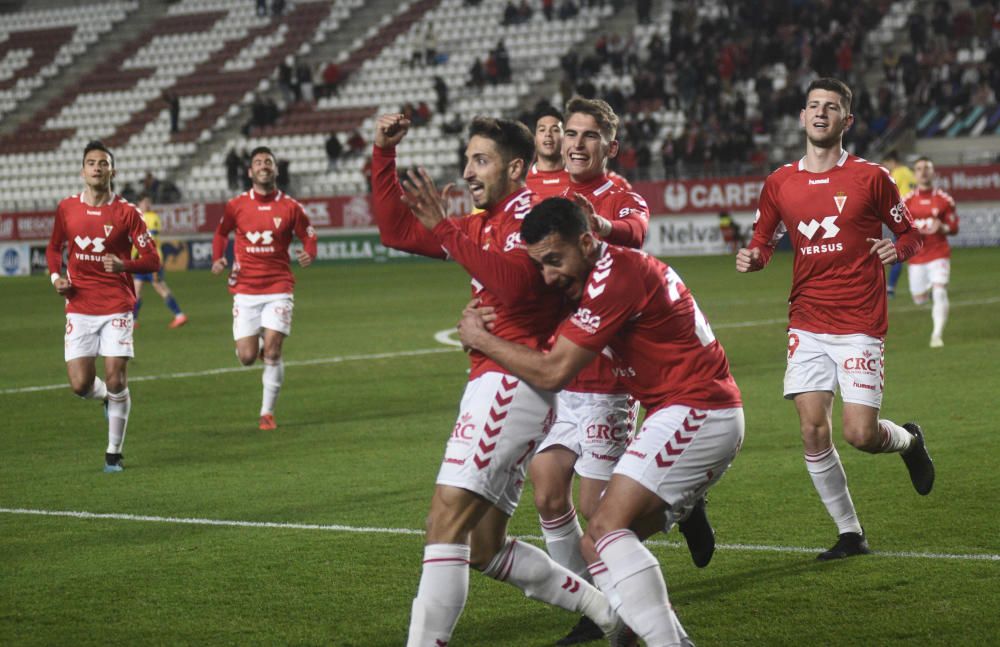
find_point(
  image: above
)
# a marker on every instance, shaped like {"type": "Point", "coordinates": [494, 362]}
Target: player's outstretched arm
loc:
{"type": "Point", "coordinates": [547, 371]}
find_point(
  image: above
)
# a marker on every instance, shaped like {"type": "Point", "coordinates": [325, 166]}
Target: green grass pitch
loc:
{"type": "Point", "coordinates": [351, 469]}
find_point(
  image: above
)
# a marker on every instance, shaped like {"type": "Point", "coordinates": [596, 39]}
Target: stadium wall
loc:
{"type": "Point", "coordinates": [685, 221]}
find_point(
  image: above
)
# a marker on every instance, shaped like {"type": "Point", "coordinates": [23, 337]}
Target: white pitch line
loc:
{"type": "Point", "coordinates": [987, 557]}
{"type": "Point", "coordinates": [442, 336]}
{"type": "Point", "coordinates": [239, 369]}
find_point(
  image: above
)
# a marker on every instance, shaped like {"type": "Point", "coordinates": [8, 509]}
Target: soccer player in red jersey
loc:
{"type": "Point", "coordinates": [547, 176]}
{"type": "Point", "coordinates": [934, 216]}
{"type": "Point", "coordinates": [833, 205]}
{"type": "Point", "coordinates": [99, 230]}
{"type": "Point", "coordinates": [638, 307]}
{"type": "Point", "coordinates": [261, 280]}
{"type": "Point", "coordinates": [595, 413]}
{"type": "Point", "coordinates": [501, 419]}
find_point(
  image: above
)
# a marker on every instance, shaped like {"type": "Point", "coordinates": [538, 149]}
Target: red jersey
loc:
{"type": "Point", "coordinates": [115, 228]}
{"type": "Point", "coordinates": [928, 205]}
{"type": "Point", "coordinates": [838, 286]}
{"type": "Point", "coordinates": [629, 218]}
{"type": "Point", "coordinates": [264, 225]}
{"type": "Point", "coordinates": [639, 307]}
{"type": "Point", "coordinates": [488, 245]}
{"type": "Point", "coordinates": [620, 181]}
{"type": "Point", "coordinates": [547, 184]}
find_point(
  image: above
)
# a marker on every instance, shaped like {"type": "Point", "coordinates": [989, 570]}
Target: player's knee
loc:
{"type": "Point", "coordinates": [482, 551]}
{"type": "Point", "coordinates": [921, 299]}
{"type": "Point", "coordinates": [272, 354]}
{"type": "Point", "coordinates": [863, 437]}
{"type": "Point", "coordinates": [246, 358]}
{"type": "Point", "coordinates": [813, 432]}
{"type": "Point", "coordinates": [81, 389]}
{"type": "Point", "coordinates": [551, 502]}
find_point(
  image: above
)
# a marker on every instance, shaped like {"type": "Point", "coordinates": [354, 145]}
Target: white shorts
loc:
{"type": "Point", "coordinates": [93, 335]}
{"type": "Point", "coordinates": [819, 362]}
{"type": "Point", "coordinates": [594, 426]}
{"type": "Point", "coordinates": [500, 423]}
{"type": "Point", "coordinates": [923, 276]}
{"type": "Point", "coordinates": [680, 452]}
{"type": "Point", "coordinates": [251, 312]}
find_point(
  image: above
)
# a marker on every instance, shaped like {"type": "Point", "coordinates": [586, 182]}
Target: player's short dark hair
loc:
{"type": "Point", "coordinates": [548, 111]}
{"type": "Point", "coordinates": [601, 111]}
{"type": "Point", "coordinates": [923, 158]}
{"type": "Point", "coordinates": [554, 216]}
{"type": "Point", "coordinates": [262, 150]}
{"type": "Point", "coordinates": [833, 85]}
{"type": "Point", "coordinates": [512, 138]}
{"type": "Point", "coordinates": [891, 156]}
{"type": "Point", "coordinates": [143, 196]}
{"type": "Point", "coordinates": [97, 145]}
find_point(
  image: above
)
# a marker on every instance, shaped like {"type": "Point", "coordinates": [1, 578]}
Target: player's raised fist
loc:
{"type": "Point", "coordinates": [390, 130]}
{"type": "Point", "coordinates": [748, 260]}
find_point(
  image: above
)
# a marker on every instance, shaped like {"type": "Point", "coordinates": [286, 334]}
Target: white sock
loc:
{"type": "Point", "coordinates": [119, 406]}
{"type": "Point", "coordinates": [562, 540]}
{"type": "Point", "coordinates": [636, 576]}
{"type": "Point", "coordinates": [939, 311]}
{"type": "Point", "coordinates": [893, 438]}
{"type": "Point", "coordinates": [99, 390]}
{"type": "Point", "coordinates": [534, 572]}
{"type": "Point", "coordinates": [444, 587]}
{"type": "Point", "coordinates": [830, 482]}
{"type": "Point", "coordinates": [274, 375]}
{"type": "Point", "coordinates": [602, 580]}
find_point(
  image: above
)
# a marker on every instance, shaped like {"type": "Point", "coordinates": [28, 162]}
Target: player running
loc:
{"type": "Point", "coordinates": [152, 220]}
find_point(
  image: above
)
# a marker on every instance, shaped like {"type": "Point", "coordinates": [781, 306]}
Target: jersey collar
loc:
{"type": "Point", "coordinates": [840, 162]}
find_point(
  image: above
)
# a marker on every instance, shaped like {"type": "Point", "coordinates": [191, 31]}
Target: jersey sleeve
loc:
{"type": "Point", "coordinates": [767, 226]}
{"type": "Point", "coordinates": [221, 238]}
{"type": "Point", "coordinates": [53, 253]}
{"type": "Point", "coordinates": [610, 298]}
{"type": "Point", "coordinates": [397, 226]}
{"type": "Point", "coordinates": [148, 259]}
{"type": "Point", "coordinates": [305, 232]}
{"type": "Point", "coordinates": [508, 275]}
{"type": "Point", "coordinates": [950, 217]}
{"type": "Point", "coordinates": [893, 212]}
{"type": "Point", "coordinates": [630, 222]}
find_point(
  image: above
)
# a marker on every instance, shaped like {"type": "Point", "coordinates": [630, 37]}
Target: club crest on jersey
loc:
{"type": "Point", "coordinates": [107, 229]}
{"type": "Point", "coordinates": [277, 223]}
{"type": "Point", "coordinates": [840, 199]}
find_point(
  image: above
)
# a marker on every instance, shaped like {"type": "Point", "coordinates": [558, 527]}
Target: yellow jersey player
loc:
{"type": "Point", "coordinates": [152, 220]}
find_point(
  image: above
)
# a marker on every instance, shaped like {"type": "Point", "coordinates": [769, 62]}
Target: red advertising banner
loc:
{"type": "Point", "coordinates": [672, 197]}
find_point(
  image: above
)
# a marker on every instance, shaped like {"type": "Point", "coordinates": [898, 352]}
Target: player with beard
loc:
{"type": "Point", "coordinates": [264, 220]}
{"type": "Point", "coordinates": [501, 419]}
{"type": "Point", "coordinates": [833, 205]}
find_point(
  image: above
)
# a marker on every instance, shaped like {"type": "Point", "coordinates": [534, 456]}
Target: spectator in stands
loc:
{"type": "Point", "coordinates": [568, 10]}
{"type": "Point", "coordinates": [510, 16]}
{"type": "Point", "coordinates": [331, 77]}
{"type": "Point", "coordinates": [304, 79]}
{"type": "Point", "coordinates": [174, 106]}
{"type": "Point", "coordinates": [233, 169]}
{"type": "Point", "coordinates": [422, 114]}
{"type": "Point", "coordinates": [356, 143]}
{"type": "Point", "coordinates": [548, 9]}
{"type": "Point", "coordinates": [277, 8]}
{"type": "Point", "coordinates": [430, 45]}
{"type": "Point", "coordinates": [333, 150]}
{"type": "Point", "coordinates": [286, 78]}
{"type": "Point", "coordinates": [502, 58]}
{"type": "Point", "coordinates": [454, 127]}
{"type": "Point", "coordinates": [477, 74]}
{"type": "Point", "coordinates": [261, 8]}
{"type": "Point", "coordinates": [151, 186]}
{"type": "Point", "coordinates": [524, 12]}
{"type": "Point", "coordinates": [642, 10]}
{"type": "Point", "coordinates": [441, 90]}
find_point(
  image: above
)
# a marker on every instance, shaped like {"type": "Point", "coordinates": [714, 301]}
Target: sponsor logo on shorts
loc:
{"type": "Point", "coordinates": [866, 363]}
{"type": "Point", "coordinates": [121, 322]}
{"type": "Point", "coordinates": [606, 432]}
{"type": "Point", "coordinates": [603, 457]}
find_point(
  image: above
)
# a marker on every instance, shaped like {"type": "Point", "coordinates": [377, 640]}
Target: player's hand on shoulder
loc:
{"type": "Point", "coordinates": [219, 265]}
{"type": "Point", "coordinates": [305, 260]}
{"type": "Point", "coordinates": [390, 130]}
{"type": "Point", "coordinates": [748, 260]}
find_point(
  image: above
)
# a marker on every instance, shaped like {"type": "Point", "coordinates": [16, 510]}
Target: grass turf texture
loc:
{"type": "Point", "coordinates": [359, 443]}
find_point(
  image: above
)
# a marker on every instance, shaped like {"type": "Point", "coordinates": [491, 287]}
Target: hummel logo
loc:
{"type": "Point", "coordinates": [825, 180]}
{"type": "Point", "coordinates": [550, 181]}
{"type": "Point", "coordinates": [829, 228]}
{"type": "Point", "coordinates": [93, 213]}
